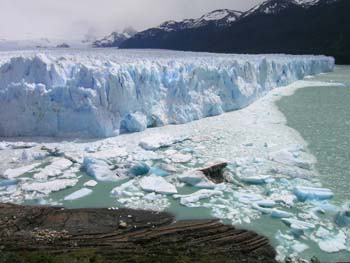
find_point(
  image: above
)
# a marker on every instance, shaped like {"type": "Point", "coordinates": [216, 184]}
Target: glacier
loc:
{"type": "Point", "coordinates": [106, 93]}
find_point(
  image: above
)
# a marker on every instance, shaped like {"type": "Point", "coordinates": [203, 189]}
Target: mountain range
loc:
{"type": "Point", "coordinates": [115, 38]}
{"type": "Point", "coordinates": [274, 26]}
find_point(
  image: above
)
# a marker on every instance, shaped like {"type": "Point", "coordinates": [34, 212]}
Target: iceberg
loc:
{"type": "Point", "coordinates": [100, 170]}
{"type": "Point", "coordinates": [311, 193]}
{"type": "Point", "coordinates": [91, 183]}
{"type": "Point", "coordinates": [196, 179]}
{"type": "Point", "coordinates": [297, 226]}
{"type": "Point", "coordinates": [258, 179]}
{"type": "Point", "coordinates": [157, 141]}
{"type": "Point", "coordinates": [330, 242]}
{"type": "Point", "coordinates": [53, 169]}
{"type": "Point", "coordinates": [157, 184]}
{"type": "Point", "coordinates": [140, 169]}
{"type": "Point", "coordinates": [16, 172]}
{"type": "Point", "coordinates": [186, 200]}
{"type": "Point", "coordinates": [78, 194]}
{"type": "Point", "coordinates": [50, 186]}
{"type": "Point", "coordinates": [103, 94]}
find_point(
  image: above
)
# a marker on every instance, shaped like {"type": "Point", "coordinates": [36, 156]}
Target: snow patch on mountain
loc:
{"type": "Point", "coordinates": [115, 38]}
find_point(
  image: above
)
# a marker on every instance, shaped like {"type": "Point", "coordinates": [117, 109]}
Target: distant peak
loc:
{"type": "Point", "coordinates": [220, 14]}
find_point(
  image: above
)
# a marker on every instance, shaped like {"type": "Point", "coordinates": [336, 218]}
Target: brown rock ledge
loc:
{"type": "Point", "coordinates": [53, 234]}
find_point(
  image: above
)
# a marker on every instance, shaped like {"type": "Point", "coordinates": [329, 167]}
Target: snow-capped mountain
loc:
{"type": "Point", "coordinates": [277, 6]}
{"type": "Point", "coordinates": [272, 7]}
{"type": "Point", "coordinates": [115, 38]}
{"type": "Point", "coordinates": [219, 18]}
{"type": "Point", "coordinates": [273, 26]}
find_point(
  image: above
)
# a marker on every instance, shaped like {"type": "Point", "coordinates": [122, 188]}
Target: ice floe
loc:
{"type": "Point", "coordinates": [157, 184]}
{"type": "Point", "coordinates": [196, 196]}
{"type": "Point", "coordinates": [16, 172]}
{"type": "Point", "coordinates": [49, 186]}
{"type": "Point", "coordinates": [312, 193]}
{"type": "Point", "coordinates": [100, 170]}
{"type": "Point", "coordinates": [78, 194]}
{"type": "Point", "coordinates": [196, 179]}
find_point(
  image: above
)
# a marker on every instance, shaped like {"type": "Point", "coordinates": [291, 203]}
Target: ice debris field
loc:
{"type": "Point", "coordinates": [270, 174]}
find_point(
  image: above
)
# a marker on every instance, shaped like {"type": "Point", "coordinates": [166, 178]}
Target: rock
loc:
{"type": "Point", "coordinates": [122, 224]}
{"type": "Point", "coordinates": [215, 171]}
{"type": "Point", "coordinates": [104, 234]}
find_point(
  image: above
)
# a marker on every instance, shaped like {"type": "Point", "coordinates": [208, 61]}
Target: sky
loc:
{"type": "Point", "coordinates": [72, 19]}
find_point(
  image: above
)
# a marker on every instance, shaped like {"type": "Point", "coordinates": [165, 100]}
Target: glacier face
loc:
{"type": "Point", "coordinates": [108, 92]}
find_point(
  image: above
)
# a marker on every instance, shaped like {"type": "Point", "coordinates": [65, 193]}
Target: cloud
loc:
{"type": "Point", "coordinates": [23, 19]}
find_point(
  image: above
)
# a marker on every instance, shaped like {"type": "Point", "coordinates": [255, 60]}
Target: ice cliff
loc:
{"type": "Point", "coordinates": [105, 93]}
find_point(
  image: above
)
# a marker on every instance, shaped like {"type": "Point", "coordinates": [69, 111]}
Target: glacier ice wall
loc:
{"type": "Point", "coordinates": [105, 93]}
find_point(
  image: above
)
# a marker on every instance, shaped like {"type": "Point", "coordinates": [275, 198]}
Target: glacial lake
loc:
{"type": "Point", "coordinates": [318, 116]}
{"type": "Point", "coordinates": [322, 116]}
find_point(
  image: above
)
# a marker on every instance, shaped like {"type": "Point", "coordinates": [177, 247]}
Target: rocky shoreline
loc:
{"type": "Point", "coordinates": [55, 234]}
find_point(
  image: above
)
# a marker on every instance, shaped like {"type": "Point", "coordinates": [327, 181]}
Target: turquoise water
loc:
{"type": "Point", "coordinates": [321, 115]}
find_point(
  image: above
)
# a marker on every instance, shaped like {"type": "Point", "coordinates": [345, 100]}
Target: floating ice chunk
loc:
{"type": "Point", "coordinates": [16, 172]}
{"type": "Point", "coordinates": [50, 186]}
{"type": "Point", "coordinates": [156, 141]}
{"type": "Point", "coordinates": [258, 179]}
{"type": "Point", "coordinates": [91, 183]}
{"type": "Point", "coordinates": [157, 184]}
{"type": "Point", "coordinates": [197, 179]}
{"type": "Point", "coordinates": [289, 157]}
{"type": "Point", "coordinates": [343, 217]}
{"type": "Point", "coordinates": [247, 198]}
{"type": "Point", "coordinates": [195, 197]}
{"type": "Point", "coordinates": [78, 194]}
{"type": "Point", "coordinates": [5, 183]}
{"type": "Point", "coordinates": [28, 155]}
{"type": "Point", "coordinates": [109, 153]}
{"type": "Point", "coordinates": [297, 226]}
{"type": "Point", "coordinates": [100, 170]}
{"type": "Point", "coordinates": [134, 122]}
{"type": "Point", "coordinates": [139, 169]}
{"type": "Point", "coordinates": [284, 197]}
{"type": "Point", "coordinates": [159, 172]}
{"type": "Point", "coordinates": [273, 212]}
{"type": "Point", "coordinates": [127, 188]}
{"type": "Point", "coordinates": [289, 247]}
{"type": "Point", "coordinates": [54, 169]}
{"type": "Point", "coordinates": [181, 158]}
{"type": "Point", "coordinates": [330, 242]}
{"type": "Point", "coordinates": [312, 193]}
{"type": "Point", "coordinates": [266, 203]}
